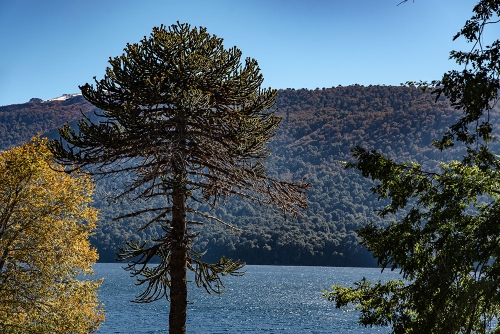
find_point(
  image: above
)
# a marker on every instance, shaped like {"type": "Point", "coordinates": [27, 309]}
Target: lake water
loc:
{"type": "Point", "coordinates": [268, 299]}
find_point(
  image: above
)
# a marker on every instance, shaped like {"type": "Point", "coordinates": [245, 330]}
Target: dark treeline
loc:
{"type": "Point", "coordinates": [318, 129]}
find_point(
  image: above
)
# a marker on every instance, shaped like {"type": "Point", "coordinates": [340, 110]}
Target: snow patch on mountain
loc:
{"type": "Point", "coordinates": [64, 97]}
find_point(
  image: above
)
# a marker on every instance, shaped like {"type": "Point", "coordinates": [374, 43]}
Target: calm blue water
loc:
{"type": "Point", "coordinates": [268, 299]}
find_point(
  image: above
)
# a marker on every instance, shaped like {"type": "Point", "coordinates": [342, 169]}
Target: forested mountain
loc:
{"type": "Point", "coordinates": [19, 122]}
{"type": "Point", "coordinates": [318, 129]}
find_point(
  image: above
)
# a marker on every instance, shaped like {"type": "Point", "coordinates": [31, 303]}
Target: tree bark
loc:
{"type": "Point", "coordinates": [180, 242]}
{"type": "Point", "coordinates": [178, 263]}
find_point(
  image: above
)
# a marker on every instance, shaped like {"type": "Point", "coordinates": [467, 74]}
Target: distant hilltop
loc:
{"type": "Point", "coordinates": [20, 122]}
{"type": "Point", "coordinates": [60, 98]}
{"type": "Point", "coordinates": [65, 97]}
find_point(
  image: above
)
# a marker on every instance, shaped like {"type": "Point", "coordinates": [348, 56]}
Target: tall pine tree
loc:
{"type": "Point", "coordinates": [189, 122]}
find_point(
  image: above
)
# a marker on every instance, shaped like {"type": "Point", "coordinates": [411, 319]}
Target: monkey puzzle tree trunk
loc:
{"type": "Point", "coordinates": [179, 237]}
{"type": "Point", "coordinates": [178, 264]}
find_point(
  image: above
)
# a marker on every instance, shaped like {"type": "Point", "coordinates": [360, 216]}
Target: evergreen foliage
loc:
{"type": "Point", "coordinates": [445, 240]}
{"type": "Point", "coordinates": [188, 124]}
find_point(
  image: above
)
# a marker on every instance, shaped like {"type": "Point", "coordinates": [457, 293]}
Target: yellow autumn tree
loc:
{"type": "Point", "coordinates": [45, 222]}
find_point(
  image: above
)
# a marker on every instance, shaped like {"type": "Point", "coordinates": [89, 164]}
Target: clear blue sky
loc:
{"type": "Point", "coordinates": [48, 48]}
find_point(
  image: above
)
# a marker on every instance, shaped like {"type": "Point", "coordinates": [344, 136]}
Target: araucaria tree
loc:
{"type": "Point", "coordinates": [45, 222]}
{"type": "Point", "coordinates": [446, 240]}
{"type": "Point", "coordinates": [188, 122]}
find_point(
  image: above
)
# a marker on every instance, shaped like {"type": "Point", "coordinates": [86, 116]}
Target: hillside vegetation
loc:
{"type": "Point", "coordinates": [318, 129]}
{"type": "Point", "coordinates": [20, 122]}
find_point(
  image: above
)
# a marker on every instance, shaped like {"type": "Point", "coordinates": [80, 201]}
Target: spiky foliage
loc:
{"type": "Point", "coordinates": [188, 122]}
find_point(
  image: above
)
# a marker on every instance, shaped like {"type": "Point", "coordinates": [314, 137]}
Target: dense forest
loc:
{"type": "Point", "coordinates": [318, 129]}
{"type": "Point", "coordinates": [19, 122]}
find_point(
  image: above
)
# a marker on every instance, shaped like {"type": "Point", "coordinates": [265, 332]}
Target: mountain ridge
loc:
{"type": "Point", "coordinates": [318, 129]}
